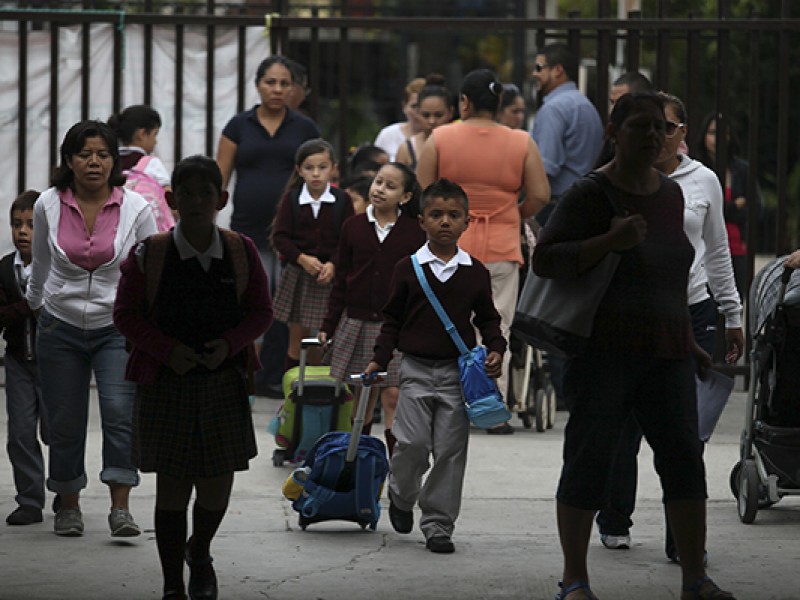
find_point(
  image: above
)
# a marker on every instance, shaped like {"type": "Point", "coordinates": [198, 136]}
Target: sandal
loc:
{"type": "Point", "coordinates": [705, 589]}
{"type": "Point", "coordinates": [574, 586]}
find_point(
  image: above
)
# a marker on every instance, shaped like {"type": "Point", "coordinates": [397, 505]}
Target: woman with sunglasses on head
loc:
{"type": "Point", "coordinates": [704, 225]}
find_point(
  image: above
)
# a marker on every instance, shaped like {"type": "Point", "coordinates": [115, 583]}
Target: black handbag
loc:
{"type": "Point", "coordinates": [557, 315]}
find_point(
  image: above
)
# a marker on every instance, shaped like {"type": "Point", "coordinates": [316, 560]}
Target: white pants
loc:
{"type": "Point", "coordinates": [505, 291]}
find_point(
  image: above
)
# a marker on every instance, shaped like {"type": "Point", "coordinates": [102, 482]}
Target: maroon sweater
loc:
{"type": "Point", "coordinates": [644, 312]}
{"type": "Point", "coordinates": [411, 325]}
{"type": "Point", "coordinates": [315, 237]}
{"type": "Point", "coordinates": [364, 268]}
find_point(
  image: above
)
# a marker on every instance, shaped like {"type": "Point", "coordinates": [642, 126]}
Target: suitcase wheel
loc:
{"type": "Point", "coordinates": [302, 522]}
{"type": "Point", "coordinates": [278, 457]}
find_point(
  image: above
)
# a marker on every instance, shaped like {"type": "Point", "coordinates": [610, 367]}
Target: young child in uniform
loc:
{"type": "Point", "coordinates": [430, 418]}
{"type": "Point", "coordinates": [192, 343]}
{"type": "Point", "coordinates": [26, 415]}
{"type": "Point", "coordinates": [369, 247]}
{"type": "Point", "coordinates": [137, 128]}
{"type": "Point", "coordinates": [305, 234]}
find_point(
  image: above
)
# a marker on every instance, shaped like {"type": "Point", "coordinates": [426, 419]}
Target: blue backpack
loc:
{"type": "Point", "coordinates": [336, 489]}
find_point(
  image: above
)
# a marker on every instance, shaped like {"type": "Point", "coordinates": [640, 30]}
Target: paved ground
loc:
{"type": "Point", "coordinates": [506, 539]}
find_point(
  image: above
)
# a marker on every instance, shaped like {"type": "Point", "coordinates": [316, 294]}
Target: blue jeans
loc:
{"type": "Point", "coordinates": [67, 357]}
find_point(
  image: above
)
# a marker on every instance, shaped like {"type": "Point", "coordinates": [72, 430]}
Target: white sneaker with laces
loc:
{"type": "Point", "coordinates": [122, 524]}
{"type": "Point", "coordinates": [616, 542]}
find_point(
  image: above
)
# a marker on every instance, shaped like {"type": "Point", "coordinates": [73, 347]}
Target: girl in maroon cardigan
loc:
{"type": "Point", "coordinates": [369, 247]}
{"type": "Point", "coordinates": [305, 235]}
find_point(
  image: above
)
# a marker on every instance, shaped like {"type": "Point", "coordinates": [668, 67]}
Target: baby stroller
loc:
{"type": "Point", "coordinates": [530, 391]}
{"type": "Point", "coordinates": [769, 467]}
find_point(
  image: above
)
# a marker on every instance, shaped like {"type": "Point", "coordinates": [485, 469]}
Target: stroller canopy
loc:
{"type": "Point", "coordinates": [765, 290]}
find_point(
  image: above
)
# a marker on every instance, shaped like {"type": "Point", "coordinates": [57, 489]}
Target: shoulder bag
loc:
{"type": "Point", "coordinates": [484, 403]}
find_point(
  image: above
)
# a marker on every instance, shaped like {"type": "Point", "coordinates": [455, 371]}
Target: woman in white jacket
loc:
{"type": "Point", "coordinates": [85, 226]}
{"type": "Point", "coordinates": [712, 269]}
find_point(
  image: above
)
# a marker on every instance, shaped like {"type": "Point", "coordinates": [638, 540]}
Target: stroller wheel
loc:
{"type": "Point", "coordinates": [551, 406]}
{"type": "Point", "coordinates": [748, 492]}
{"type": "Point", "coordinates": [302, 522]}
{"type": "Point", "coordinates": [734, 479]}
{"type": "Point", "coordinates": [541, 410]}
{"type": "Point", "coordinates": [527, 423]}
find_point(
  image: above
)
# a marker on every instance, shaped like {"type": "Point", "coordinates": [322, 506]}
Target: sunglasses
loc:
{"type": "Point", "coordinates": [539, 68]}
{"type": "Point", "coordinates": [671, 127]}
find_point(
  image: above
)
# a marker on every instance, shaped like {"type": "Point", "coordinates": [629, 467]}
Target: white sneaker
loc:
{"type": "Point", "coordinates": [122, 524]}
{"type": "Point", "coordinates": [616, 542]}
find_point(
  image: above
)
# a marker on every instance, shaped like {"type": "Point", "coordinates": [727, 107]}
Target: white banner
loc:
{"type": "Point", "coordinates": [101, 66]}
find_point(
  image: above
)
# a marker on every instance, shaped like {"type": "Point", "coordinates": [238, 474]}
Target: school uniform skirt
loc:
{"type": "Point", "coordinates": [300, 299]}
{"type": "Point", "coordinates": [195, 425]}
{"type": "Point", "coordinates": [353, 347]}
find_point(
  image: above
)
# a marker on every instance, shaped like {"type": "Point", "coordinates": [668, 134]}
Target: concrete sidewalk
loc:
{"type": "Point", "coordinates": [506, 540]}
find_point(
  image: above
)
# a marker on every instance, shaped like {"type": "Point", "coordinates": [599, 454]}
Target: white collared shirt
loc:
{"type": "Point", "coordinates": [187, 251]}
{"type": "Point", "coordinates": [316, 203]}
{"type": "Point", "coordinates": [443, 270]}
{"type": "Point", "coordinates": [21, 271]}
{"type": "Point", "coordinates": [382, 232]}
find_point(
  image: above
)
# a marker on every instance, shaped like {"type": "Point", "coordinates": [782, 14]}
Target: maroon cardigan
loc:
{"type": "Point", "coordinates": [364, 268]}
{"type": "Point", "coordinates": [151, 348]}
{"type": "Point", "coordinates": [412, 326]}
{"type": "Point", "coordinates": [313, 236]}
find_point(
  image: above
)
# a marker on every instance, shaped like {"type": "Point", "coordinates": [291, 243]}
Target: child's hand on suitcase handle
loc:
{"type": "Point", "coordinates": [494, 364]}
{"type": "Point", "coordinates": [322, 337]}
{"type": "Point", "coordinates": [183, 359]}
{"type": "Point", "coordinates": [372, 374]}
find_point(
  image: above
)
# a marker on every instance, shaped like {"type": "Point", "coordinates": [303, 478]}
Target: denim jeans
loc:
{"type": "Point", "coordinates": [67, 357]}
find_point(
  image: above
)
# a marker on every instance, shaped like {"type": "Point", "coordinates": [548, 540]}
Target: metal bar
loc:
{"type": "Point", "coordinates": [782, 241]}
{"type": "Point", "coordinates": [241, 67]}
{"type": "Point", "coordinates": [344, 92]}
{"type": "Point", "coordinates": [86, 71]}
{"type": "Point", "coordinates": [210, 55]}
{"type": "Point", "coordinates": [603, 59]}
{"type": "Point", "coordinates": [753, 129]}
{"type": "Point", "coordinates": [54, 61]}
{"type": "Point", "coordinates": [22, 121]}
{"type": "Point", "coordinates": [723, 54]}
{"type": "Point", "coordinates": [147, 58]}
{"type": "Point", "coordinates": [314, 78]}
{"type": "Point", "coordinates": [633, 48]}
{"type": "Point", "coordinates": [693, 48]}
{"type": "Point", "coordinates": [117, 75]}
{"type": "Point", "coordinates": [178, 151]}
{"type": "Point", "coordinates": [661, 79]}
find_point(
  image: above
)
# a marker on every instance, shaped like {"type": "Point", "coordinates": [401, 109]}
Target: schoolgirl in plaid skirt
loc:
{"type": "Point", "coordinates": [370, 246]}
{"type": "Point", "coordinates": [305, 234]}
{"type": "Point", "coordinates": [191, 348]}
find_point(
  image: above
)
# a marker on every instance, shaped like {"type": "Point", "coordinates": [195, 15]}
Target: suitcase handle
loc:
{"type": "Point", "coordinates": [358, 422]}
{"type": "Point", "coordinates": [305, 344]}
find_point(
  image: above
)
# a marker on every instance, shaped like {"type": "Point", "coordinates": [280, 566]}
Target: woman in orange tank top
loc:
{"type": "Point", "coordinates": [493, 164]}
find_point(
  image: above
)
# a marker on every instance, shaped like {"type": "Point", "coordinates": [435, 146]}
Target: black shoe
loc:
{"type": "Point", "coordinates": [503, 429]}
{"type": "Point", "coordinates": [202, 578]}
{"type": "Point", "coordinates": [24, 515]}
{"type": "Point", "coordinates": [441, 544]}
{"type": "Point", "coordinates": [402, 520]}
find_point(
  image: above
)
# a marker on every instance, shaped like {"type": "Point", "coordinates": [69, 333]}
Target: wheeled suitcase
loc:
{"type": "Point", "coordinates": [343, 475]}
{"type": "Point", "coordinates": [315, 404]}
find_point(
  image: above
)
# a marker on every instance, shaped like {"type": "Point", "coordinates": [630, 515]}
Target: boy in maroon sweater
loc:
{"type": "Point", "coordinates": [430, 415]}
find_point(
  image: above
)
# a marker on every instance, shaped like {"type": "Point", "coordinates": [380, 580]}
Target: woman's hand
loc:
{"type": "Point", "coordinates": [310, 264]}
{"type": "Point", "coordinates": [627, 232]}
{"type": "Point", "coordinates": [494, 364]}
{"type": "Point", "coordinates": [326, 273]}
{"type": "Point", "coordinates": [793, 260]}
{"type": "Point", "coordinates": [322, 337]}
{"type": "Point", "coordinates": [734, 341]}
{"type": "Point", "coordinates": [183, 359]}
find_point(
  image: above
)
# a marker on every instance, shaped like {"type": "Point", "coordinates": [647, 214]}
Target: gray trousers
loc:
{"type": "Point", "coordinates": [430, 420]}
{"type": "Point", "coordinates": [26, 415]}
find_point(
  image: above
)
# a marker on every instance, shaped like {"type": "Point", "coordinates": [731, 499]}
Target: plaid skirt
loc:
{"type": "Point", "coordinates": [300, 299]}
{"type": "Point", "coordinates": [353, 347]}
{"type": "Point", "coordinates": [188, 426]}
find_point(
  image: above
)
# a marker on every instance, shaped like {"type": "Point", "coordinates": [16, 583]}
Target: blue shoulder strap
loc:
{"type": "Point", "coordinates": [437, 306]}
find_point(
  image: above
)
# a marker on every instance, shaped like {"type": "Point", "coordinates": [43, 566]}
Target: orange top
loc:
{"type": "Point", "coordinates": [488, 163]}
